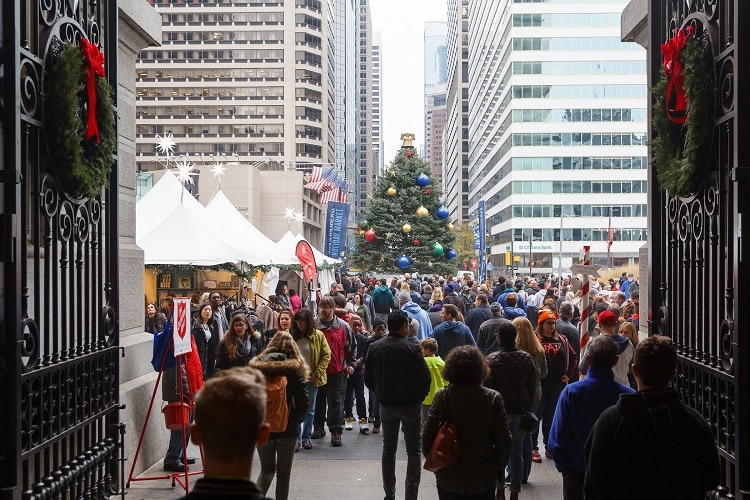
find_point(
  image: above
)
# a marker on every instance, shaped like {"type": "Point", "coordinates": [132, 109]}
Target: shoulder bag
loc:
{"type": "Point", "coordinates": [445, 449]}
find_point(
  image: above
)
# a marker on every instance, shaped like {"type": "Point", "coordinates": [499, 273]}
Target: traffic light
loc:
{"type": "Point", "coordinates": [507, 258]}
{"type": "Point", "coordinates": [532, 263]}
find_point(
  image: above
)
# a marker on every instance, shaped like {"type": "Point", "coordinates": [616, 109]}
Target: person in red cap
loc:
{"type": "Point", "coordinates": [562, 362]}
{"type": "Point", "coordinates": [608, 326]}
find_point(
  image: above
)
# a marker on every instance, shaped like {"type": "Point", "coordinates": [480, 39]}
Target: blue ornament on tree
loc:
{"type": "Point", "coordinates": [403, 262]}
{"type": "Point", "coordinates": [422, 180]}
{"type": "Point", "coordinates": [450, 254]}
{"type": "Point", "coordinates": [442, 213]}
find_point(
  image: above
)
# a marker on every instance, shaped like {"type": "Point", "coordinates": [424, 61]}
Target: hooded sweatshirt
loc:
{"type": "Point", "coordinates": [625, 350]}
{"type": "Point", "coordinates": [641, 430]}
{"type": "Point", "coordinates": [416, 312]}
{"type": "Point", "coordinates": [450, 334]}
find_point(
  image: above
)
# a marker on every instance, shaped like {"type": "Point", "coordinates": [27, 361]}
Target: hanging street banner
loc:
{"type": "Point", "coordinates": [307, 261]}
{"type": "Point", "coordinates": [482, 243]}
{"type": "Point", "coordinates": [181, 333]}
{"type": "Point", "coordinates": [336, 220]}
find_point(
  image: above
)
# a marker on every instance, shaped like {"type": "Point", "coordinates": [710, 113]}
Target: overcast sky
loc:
{"type": "Point", "coordinates": [401, 24]}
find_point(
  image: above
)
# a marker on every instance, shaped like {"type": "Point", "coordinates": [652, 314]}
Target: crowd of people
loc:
{"type": "Point", "coordinates": [412, 354]}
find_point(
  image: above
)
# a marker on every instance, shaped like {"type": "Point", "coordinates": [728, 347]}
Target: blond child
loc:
{"type": "Point", "coordinates": [435, 363]}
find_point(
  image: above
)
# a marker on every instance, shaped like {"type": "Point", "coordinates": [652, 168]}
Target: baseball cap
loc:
{"type": "Point", "coordinates": [607, 318]}
{"type": "Point", "coordinates": [466, 288]}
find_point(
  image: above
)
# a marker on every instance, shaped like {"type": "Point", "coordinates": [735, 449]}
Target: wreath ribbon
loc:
{"type": "Point", "coordinates": [676, 102]}
{"type": "Point", "coordinates": [94, 61]}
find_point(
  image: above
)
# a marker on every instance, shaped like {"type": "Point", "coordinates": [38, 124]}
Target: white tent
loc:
{"type": "Point", "coordinates": [288, 243]}
{"type": "Point", "coordinates": [156, 204]}
{"type": "Point", "coordinates": [244, 234]}
{"type": "Point", "coordinates": [174, 228]}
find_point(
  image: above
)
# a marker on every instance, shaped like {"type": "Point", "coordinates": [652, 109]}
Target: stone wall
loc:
{"type": "Point", "coordinates": [139, 27]}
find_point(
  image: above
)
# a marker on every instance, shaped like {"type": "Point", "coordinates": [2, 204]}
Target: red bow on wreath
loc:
{"type": "Point", "coordinates": [94, 60]}
{"type": "Point", "coordinates": [676, 102]}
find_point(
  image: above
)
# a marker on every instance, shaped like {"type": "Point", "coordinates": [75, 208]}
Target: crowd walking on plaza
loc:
{"type": "Point", "coordinates": [471, 373]}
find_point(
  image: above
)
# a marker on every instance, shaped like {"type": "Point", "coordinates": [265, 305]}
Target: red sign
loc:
{"type": "Point", "coordinates": [307, 260]}
{"type": "Point", "coordinates": [473, 263]}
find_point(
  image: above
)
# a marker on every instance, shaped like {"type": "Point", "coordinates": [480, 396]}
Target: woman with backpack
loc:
{"type": "Point", "coordinates": [286, 406]}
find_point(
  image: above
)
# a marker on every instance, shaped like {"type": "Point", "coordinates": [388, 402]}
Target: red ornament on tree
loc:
{"type": "Point", "coordinates": [409, 154]}
{"type": "Point", "coordinates": [370, 235]}
{"type": "Point", "coordinates": [428, 191]}
{"type": "Point", "coordinates": [416, 242]}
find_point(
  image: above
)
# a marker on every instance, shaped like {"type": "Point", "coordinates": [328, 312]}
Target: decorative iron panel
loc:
{"type": "Point", "coordinates": [693, 250]}
{"type": "Point", "coordinates": [60, 434]}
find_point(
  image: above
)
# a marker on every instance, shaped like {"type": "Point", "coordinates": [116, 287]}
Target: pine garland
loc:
{"type": "Point", "coordinates": [82, 165]}
{"type": "Point", "coordinates": [680, 153]}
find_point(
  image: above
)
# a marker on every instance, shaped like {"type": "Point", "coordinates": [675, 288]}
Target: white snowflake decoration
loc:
{"type": "Point", "coordinates": [184, 171]}
{"type": "Point", "coordinates": [218, 169]}
{"type": "Point", "coordinates": [299, 219]}
{"type": "Point", "coordinates": [289, 213]}
{"type": "Point", "coordinates": [165, 144]}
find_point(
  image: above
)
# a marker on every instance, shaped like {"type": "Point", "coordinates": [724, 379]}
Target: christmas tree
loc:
{"type": "Point", "coordinates": [406, 226]}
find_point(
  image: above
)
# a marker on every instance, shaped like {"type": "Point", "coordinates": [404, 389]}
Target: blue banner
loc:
{"type": "Point", "coordinates": [476, 237]}
{"type": "Point", "coordinates": [336, 219]}
{"type": "Point", "coordinates": [482, 242]}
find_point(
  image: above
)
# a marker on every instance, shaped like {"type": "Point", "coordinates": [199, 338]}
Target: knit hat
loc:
{"type": "Point", "coordinates": [545, 315]}
{"type": "Point", "coordinates": [607, 318]}
{"type": "Point", "coordinates": [377, 321]}
{"type": "Point", "coordinates": [403, 298]}
{"type": "Point", "coordinates": [496, 308]}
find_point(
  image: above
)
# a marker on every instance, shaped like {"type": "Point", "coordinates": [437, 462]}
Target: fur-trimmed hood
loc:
{"type": "Point", "coordinates": [274, 364]}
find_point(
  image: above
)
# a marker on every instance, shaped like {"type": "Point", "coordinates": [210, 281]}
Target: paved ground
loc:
{"type": "Point", "coordinates": [351, 472]}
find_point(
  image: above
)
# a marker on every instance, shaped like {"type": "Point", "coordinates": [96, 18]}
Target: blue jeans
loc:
{"type": "Point", "coordinates": [527, 447]}
{"type": "Point", "coordinates": [410, 417]}
{"type": "Point", "coordinates": [515, 461]}
{"type": "Point", "coordinates": [307, 424]}
{"type": "Point", "coordinates": [175, 450]}
{"type": "Point", "coordinates": [355, 388]}
{"type": "Point", "coordinates": [276, 457]}
{"type": "Point", "coordinates": [374, 405]}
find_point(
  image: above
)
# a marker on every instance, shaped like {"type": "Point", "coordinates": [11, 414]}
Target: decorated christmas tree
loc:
{"type": "Point", "coordinates": [406, 225]}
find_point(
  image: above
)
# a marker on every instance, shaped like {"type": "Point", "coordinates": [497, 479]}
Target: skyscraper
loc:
{"type": "Point", "coordinates": [230, 79]}
{"type": "Point", "coordinates": [378, 160]}
{"type": "Point", "coordinates": [456, 138]}
{"type": "Point", "coordinates": [557, 107]}
{"type": "Point", "coordinates": [435, 70]}
{"type": "Point", "coordinates": [367, 168]}
{"type": "Point", "coordinates": [435, 128]}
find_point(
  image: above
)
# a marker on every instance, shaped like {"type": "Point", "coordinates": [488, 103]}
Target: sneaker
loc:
{"type": "Point", "coordinates": [318, 433]}
{"type": "Point", "coordinates": [349, 423]}
{"type": "Point", "coordinates": [536, 457]}
{"type": "Point", "coordinates": [307, 445]}
{"type": "Point", "coordinates": [335, 439]}
{"type": "Point", "coordinates": [376, 426]}
{"type": "Point", "coordinates": [547, 454]}
{"type": "Point", "coordinates": [363, 426]}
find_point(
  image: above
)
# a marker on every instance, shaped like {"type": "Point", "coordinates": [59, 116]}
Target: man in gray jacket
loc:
{"type": "Point", "coordinates": [396, 371]}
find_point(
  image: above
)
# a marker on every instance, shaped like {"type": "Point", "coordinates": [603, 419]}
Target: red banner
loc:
{"type": "Point", "coordinates": [307, 260]}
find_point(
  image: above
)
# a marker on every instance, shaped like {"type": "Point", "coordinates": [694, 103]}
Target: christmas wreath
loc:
{"type": "Point", "coordinates": [682, 114]}
{"type": "Point", "coordinates": [81, 142]}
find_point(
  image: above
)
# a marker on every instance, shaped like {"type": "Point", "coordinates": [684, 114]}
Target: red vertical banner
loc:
{"type": "Point", "coordinates": [307, 260]}
{"type": "Point", "coordinates": [181, 334]}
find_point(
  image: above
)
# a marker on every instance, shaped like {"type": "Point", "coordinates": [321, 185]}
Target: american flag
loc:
{"type": "Point", "coordinates": [316, 174]}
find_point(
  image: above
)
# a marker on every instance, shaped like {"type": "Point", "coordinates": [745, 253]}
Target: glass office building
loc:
{"type": "Point", "coordinates": [557, 117]}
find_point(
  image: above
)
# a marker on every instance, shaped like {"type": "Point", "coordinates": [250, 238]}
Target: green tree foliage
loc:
{"type": "Point", "coordinates": [388, 214]}
{"type": "Point", "coordinates": [465, 245]}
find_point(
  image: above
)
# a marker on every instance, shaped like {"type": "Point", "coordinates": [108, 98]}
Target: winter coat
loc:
{"type": "Point", "coordinates": [416, 312]}
{"type": "Point", "coordinates": [512, 313]}
{"type": "Point", "coordinates": [396, 371]}
{"type": "Point", "coordinates": [476, 317]}
{"type": "Point", "coordinates": [206, 348]}
{"type": "Point", "coordinates": [450, 334]}
{"type": "Point", "coordinates": [246, 351]}
{"type": "Point", "coordinates": [512, 374]}
{"type": "Point", "coordinates": [382, 300]}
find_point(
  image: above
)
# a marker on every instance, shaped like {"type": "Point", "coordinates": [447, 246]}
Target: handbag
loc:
{"type": "Point", "coordinates": [529, 422]}
{"type": "Point", "coordinates": [445, 449]}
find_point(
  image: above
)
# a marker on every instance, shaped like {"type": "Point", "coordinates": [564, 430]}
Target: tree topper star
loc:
{"type": "Point", "coordinates": [184, 171]}
{"type": "Point", "coordinates": [165, 144]}
{"type": "Point", "coordinates": [218, 169]}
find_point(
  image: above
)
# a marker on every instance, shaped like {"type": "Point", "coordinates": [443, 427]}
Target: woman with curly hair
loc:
{"type": "Point", "coordinates": [282, 358]}
{"type": "Point", "coordinates": [240, 344]}
{"type": "Point", "coordinates": [316, 353]}
{"type": "Point", "coordinates": [479, 415]}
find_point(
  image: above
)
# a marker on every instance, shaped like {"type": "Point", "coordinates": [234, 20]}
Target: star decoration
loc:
{"type": "Point", "coordinates": [409, 154]}
{"type": "Point", "coordinates": [389, 235]}
{"type": "Point", "coordinates": [299, 218]}
{"type": "Point", "coordinates": [184, 171]}
{"type": "Point", "coordinates": [165, 144]}
{"type": "Point", "coordinates": [416, 242]}
{"type": "Point", "coordinates": [428, 191]}
{"type": "Point", "coordinates": [218, 169]}
{"type": "Point", "coordinates": [289, 213]}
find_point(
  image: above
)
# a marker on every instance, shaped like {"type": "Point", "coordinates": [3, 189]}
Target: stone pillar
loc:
{"type": "Point", "coordinates": [139, 27]}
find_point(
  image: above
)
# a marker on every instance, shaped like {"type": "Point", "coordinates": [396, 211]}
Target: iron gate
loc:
{"type": "Point", "coordinates": [698, 260]}
{"type": "Point", "coordinates": [60, 435]}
